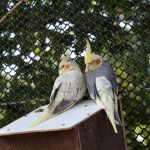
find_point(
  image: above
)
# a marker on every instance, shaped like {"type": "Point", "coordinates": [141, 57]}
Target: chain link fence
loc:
{"type": "Point", "coordinates": [35, 36]}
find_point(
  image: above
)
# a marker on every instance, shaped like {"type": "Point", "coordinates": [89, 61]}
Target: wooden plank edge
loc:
{"type": "Point", "coordinates": [47, 130]}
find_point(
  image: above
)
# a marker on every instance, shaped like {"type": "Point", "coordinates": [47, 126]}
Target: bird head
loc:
{"type": "Point", "coordinates": [92, 61]}
{"type": "Point", "coordinates": [67, 64]}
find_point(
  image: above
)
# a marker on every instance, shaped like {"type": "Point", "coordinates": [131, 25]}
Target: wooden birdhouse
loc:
{"type": "Point", "coordinates": [83, 127]}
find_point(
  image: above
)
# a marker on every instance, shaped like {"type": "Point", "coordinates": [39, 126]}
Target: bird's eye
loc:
{"type": "Point", "coordinates": [66, 66]}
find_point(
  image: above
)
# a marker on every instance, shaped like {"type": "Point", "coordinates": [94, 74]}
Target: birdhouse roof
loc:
{"type": "Point", "coordinates": [64, 121]}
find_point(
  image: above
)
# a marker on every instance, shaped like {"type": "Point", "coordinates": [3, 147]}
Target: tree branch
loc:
{"type": "Point", "coordinates": [12, 11]}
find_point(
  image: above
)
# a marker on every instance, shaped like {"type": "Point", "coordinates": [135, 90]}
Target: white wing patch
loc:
{"type": "Point", "coordinates": [102, 83]}
{"type": "Point", "coordinates": [100, 104]}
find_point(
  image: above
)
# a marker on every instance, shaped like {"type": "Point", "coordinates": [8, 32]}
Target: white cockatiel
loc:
{"type": "Point", "coordinates": [102, 85]}
{"type": "Point", "coordinates": [69, 88]}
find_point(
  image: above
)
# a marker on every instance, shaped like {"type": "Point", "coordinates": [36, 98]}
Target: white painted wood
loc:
{"type": "Point", "coordinates": [72, 117]}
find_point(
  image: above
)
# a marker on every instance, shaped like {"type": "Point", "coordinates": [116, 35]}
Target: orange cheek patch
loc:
{"type": "Point", "coordinates": [66, 66]}
{"type": "Point", "coordinates": [98, 61]}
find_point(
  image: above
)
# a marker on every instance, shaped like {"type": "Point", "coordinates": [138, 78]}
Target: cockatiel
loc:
{"type": "Point", "coordinates": [102, 85]}
{"type": "Point", "coordinates": [68, 89]}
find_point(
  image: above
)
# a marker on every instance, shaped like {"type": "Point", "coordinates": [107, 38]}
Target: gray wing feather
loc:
{"type": "Point", "coordinates": [112, 78]}
{"type": "Point", "coordinates": [110, 75]}
{"type": "Point", "coordinates": [56, 86]}
{"type": "Point", "coordinates": [104, 70]}
{"type": "Point", "coordinates": [67, 91]}
{"type": "Point", "coordinates": [90, 81]}
{"type": "Point", "coordinates": [63, 105]}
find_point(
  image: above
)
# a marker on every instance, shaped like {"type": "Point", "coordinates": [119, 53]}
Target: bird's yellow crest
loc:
{"type": "Point", "coordinates": [65, 57]}
{"type": "Point", "coordinates": [89, 56]}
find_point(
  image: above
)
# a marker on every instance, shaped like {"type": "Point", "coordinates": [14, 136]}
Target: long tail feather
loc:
{"type": "Point", "coordinates": [117, 118]}
{"type": "Point", "coordinates": [51, 111]}
{"type": "Point", "coordinates": [47, 114]}
{"type": "Point", "coordinates": [107, 100]}
{"type": "Point", "coordinates": [116, 102]}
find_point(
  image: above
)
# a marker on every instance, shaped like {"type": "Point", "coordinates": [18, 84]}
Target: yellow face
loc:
{"type": "Point", "coordinates": [90, 57]}
{"type": "Point", "coordinates": [92, 61]}
{"type": "Point", "coordinates": [93, 65]}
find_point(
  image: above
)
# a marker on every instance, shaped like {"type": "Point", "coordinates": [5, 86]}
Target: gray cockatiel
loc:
{"type": "Point", "coordinates": [102, 85]}
{"type": "Point", "coordinates": [69, 88]}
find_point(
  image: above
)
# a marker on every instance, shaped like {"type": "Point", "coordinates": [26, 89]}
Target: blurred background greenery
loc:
{"type": "Point", "coordinates": [34, 38]}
